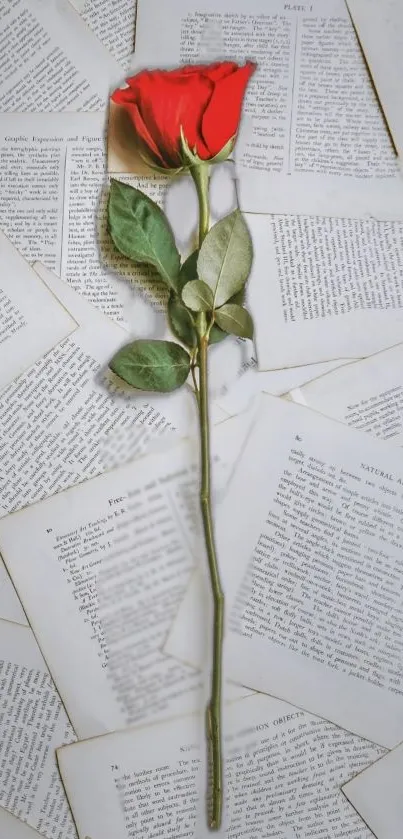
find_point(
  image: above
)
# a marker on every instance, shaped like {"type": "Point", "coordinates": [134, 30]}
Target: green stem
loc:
{"type": "Point", "coordinates": [201, 175]}
{"type": "Point", "coordinates": [213, 711]}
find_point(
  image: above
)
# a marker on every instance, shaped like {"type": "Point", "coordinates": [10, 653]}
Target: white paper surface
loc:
{"type": "Point", "coordinates": [33, 725]}
{"type": "Point", "coordinates": [318, 291]}
{"type": "Point", "coordinates": [312, 132]}
{"type": "Point", "coordinates": [32, 320]}
{"type": "Point", "coordinates": [283, 769]}
{"type": "Point", "coordinates": [376, 793]}
{"type": "Point", "coordinates": [10, 606]}
{"type": "Point", "coordinates": [367, 395]}
{"type": "Point", "coordinates": [51, 61]}
{"type": "Point", "coordinates": [379, 25]}
{"type": "Point", "coordinates": [12, 828]}
{"type": "Point", "coordinates": [305, 621]}
{"type": "Point", "coordinates": [243, 385]}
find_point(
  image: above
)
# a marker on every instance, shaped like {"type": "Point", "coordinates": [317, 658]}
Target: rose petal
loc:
{"type": "Point", "coordinates": [219, 70]}
{"type": "Point", "coordinates": [167, 102]}
{"type": "Point", "coordinates": [123, 96]}
{"type": "Point", "coordinates": [143, 133]}
{"type": "Point", "coordinates": [221, 118]}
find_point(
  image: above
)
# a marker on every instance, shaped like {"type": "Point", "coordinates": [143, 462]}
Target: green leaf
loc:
{"type": "Point", "coordinates": [141, 231]}
{"type": "Point", "coordinates": [181, 322]}
{"type": "Point", "coordinates": [197, 296]}
{"type": "Point", "coordinates": [189, 270]}
{"type": "Point", "coordinates": [235, 320]}
{"type": "Point", "coordinates": [152, 365]}
{"type": "Point", "coordinates": [225, 257]}
{"type": "Point", "coordinates": [216, 334]}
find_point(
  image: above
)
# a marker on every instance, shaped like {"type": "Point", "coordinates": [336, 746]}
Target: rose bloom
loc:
{"type": "Point", "coordinates": [204, 101]}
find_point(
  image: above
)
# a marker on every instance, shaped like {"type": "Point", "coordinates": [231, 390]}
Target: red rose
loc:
{"type": "Point", "coordinates": [204, 101]}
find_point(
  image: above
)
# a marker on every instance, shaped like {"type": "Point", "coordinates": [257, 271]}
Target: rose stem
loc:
{"type": "Point", "coordinates": [200, 176]}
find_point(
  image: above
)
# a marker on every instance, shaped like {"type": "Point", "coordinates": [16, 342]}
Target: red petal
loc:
{"type": "Point", "coordinates": [142, 131]}
{"type": "Point", "coordinates": [123, 96]}
{"type": "Point", "coordinates": [166, 102]}
{"type": "Point", "coordinates": [220, 70]}
{"type": "Point", "coordinates": [222, 115]}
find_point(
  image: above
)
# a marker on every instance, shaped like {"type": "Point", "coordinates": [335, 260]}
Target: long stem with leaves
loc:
{"type": "Point", "coordinates": [200, 176]}
{"type": "Point", "coordinates": [203, 307]}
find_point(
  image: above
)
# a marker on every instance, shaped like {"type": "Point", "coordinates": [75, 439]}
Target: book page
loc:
{"type": "Point", "coordinates": [312, 574]}
{"type": "Point", "coordinates": [283, 769]}
{"type": "Point", "coordinates": [10, 606]}
{"type": "Point", "coordinates": [117, 553]}
{"type": "Point", "coordinates": [367, 395]}
{"type": "Point", "coordinates": [376, 793]}
{"type": "Point", "coordinates": [113, 21]}
{"type": "Point", "coordinates": [311, 126]}
{"type": "Point", "coordinates": [33, 724]}
{"type": "Point", "coordinates": [57, 418]}
{"type": "Point", "coordinates": [324, 288]}
{"type": "Point", "coordinates": [242, 386]}
{"type": "Point", "coordinates": [32, 320]}
{"type": "Point", "coordinates": [53, 198]}
{"type": "Point", "coordinates": [51, 61]}
{"type": "Point", "coordinates": [13, 828]}
{"type": "Point", "coordinates": [379, 26]}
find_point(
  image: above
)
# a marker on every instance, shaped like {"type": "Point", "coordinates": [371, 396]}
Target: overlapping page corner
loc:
{"type": "Point", "coordinates": [376, 795]}
{"type": "Point", "coordinates": [105, 609]}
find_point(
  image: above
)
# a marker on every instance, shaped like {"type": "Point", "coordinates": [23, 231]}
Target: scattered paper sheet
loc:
{"type": "Point", "coordinates": [306, 194]}
{"type": "Point", "coordinates": [53, 208]}
{"type": "Point", "coordinates": [241, 387]}
{"type": "Point", "coordinates": [65, 408]}
{"type": "Point", "coordinates": [116, 553]}
{"type": "Point", "coordinates": [312, 138]}
{"type": "Point", "coordinates": [376, 793]}
{"type": "Point", "coordinates": [379, 26]}
{"type": "Point", "coordinates": [318, 291]}
{"type": "Point", "coordinates": [51, 61]}
{"type": "Point", "coordinates": [283, 773]}
{"type": "Point", "coordinates": [33, 724]}
{"type": "Point", "coordinates": [312, 576]}
{"type": "Point", "coordinates": [12, 828]}
{"type": "Point", "coordinates": [32, 320]}
{"type": "Point", "coordinates": [113, 21]}
{"type": "Point", "coordinates": [367, 395]}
